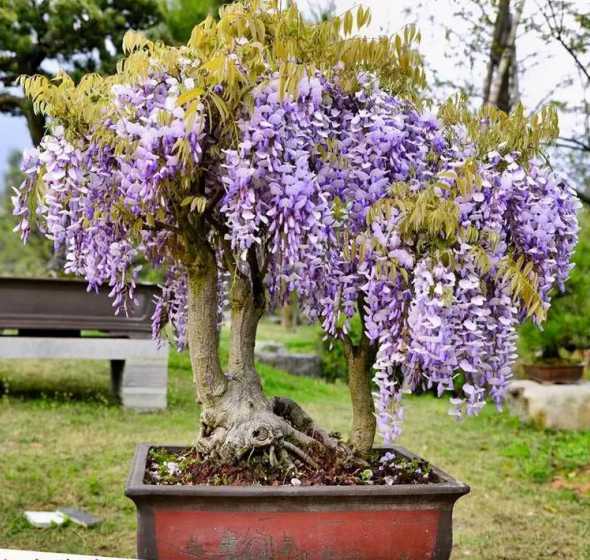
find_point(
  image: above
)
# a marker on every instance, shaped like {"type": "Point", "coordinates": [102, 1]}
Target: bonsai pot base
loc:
{"type": "Point", "coordinates": [410, 522]}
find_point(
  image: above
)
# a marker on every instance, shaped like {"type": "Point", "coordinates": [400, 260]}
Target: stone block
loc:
{"type": "Point", "coordinates": [276, 355]}
{"type": "Point", "coordinates": [139, 367]}
{"type": "Point", "coordinates": [558, 407]}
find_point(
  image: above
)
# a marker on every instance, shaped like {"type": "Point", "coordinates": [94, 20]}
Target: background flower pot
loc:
{"type": "Point", "coordinates": [410, 522]}
{"type": "Point", "coordinates": [554, 373]}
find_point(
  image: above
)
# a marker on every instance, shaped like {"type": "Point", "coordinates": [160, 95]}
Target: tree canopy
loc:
{"type": "Point", "coordinates": [180, 17]}
{"type": "Point", "coordinates": [271, 155]}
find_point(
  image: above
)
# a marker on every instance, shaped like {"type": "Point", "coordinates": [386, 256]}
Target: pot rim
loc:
{"type": "Point", "coordinates": [555, 366]}
{"type": "Point", "coordinates": [135, 487]}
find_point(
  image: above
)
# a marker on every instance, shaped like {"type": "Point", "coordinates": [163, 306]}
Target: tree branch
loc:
{"type": "Point", "coordinates": [348, 346]}
{"type": "Point", "coordinates": [557, 32]}
{"type": "Point", "coordinates": [583, 197]}
{"type": "Point", "coordinates": [257, 277]}
{"type": "Point", "coordinates": [575, 57]}
{"type": "Point", "coordinates": [573, 144]}
{"type": "Point", "coordinates": [8, 101]}
{"type": "Point", "coordinates": [214, 199]}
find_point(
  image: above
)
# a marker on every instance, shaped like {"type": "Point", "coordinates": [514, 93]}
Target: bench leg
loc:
{"type": "Point", "coordinates": [144, 384]}
{"type": "Point", "coordinates": [117, 367]}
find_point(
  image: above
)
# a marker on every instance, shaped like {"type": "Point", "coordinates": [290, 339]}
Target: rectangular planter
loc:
{"type": "Point", "coordinates": [557, 373]}
{"type": "Point", "coordinates": [409, 522]}
{"type": "Point", "coordinates": [35, 305]}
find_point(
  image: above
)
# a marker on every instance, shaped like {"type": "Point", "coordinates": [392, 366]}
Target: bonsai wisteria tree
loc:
{"type": "Point", "coordinates": [271, 155]}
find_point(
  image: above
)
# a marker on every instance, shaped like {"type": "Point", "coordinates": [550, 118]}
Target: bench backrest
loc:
{"type": "Point", "coordinates": [56, 305]}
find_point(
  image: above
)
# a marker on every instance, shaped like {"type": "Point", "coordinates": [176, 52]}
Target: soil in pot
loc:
{"type": "Point", "coordinates": [327, 468]}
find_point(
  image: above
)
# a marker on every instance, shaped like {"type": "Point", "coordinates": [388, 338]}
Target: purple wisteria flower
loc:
{"type": "Point", "coordinates": [308, 172]}
{"type": "Point", "coordinates": [311, 187]}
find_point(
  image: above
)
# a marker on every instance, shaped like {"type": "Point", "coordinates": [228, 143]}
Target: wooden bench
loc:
{"type": "Point", "coordinates": [45, 320]}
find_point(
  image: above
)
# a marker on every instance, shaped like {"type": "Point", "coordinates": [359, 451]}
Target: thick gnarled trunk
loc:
{"type": "Point", "coordinates": [236, 416]}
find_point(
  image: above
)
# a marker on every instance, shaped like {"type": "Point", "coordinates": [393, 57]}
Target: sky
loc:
{"type": "Point", "coordinates": [13, 136]}
{"type": "Point", "coordinates": [387, 17]}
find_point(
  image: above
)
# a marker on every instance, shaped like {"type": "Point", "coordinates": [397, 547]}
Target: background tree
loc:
{"type": "Point", "coordinates": [487, 35]}
{"type": "Point", "coordinates": [180, 17]}
{"type": "Point", "coordinates": [501, 83]}
{"type": "Point", "coordinates": [567, 24]}
{"type": "Point", "coordinates": [79, 35]}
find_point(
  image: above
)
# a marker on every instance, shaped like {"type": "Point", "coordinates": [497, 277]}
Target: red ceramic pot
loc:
{"type": "Point", "coordinates": [409, 522]}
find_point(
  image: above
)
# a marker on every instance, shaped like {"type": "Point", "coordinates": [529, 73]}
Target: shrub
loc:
{"type": "Point", "coordinates": [332, 352]}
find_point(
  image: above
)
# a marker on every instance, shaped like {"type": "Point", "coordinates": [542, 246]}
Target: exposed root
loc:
{"type": "Point", "coordinates": [287, 461]}
{"type": "Point", "coordinates": [300, 453]}
{"type": "Point", "coordinates": [272, 456]}
{"type": "Point", "coordinates": [271, 440]}
{"type": "Point", "coordinates": [245, 424]}
{"type": "Point", "coordinates": [300, 420]}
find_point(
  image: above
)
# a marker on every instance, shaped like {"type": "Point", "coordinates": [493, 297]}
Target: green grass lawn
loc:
{"type": "Point", "coordinates": [63, 441]}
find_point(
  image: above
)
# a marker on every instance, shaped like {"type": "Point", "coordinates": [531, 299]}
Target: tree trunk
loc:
{"type": "Point", "coordinates": [287, 316]}
{"type": "Point", "coordinates": [202, 328]}
{"type": "Point", "coordinates": [247, 308]}
{"type": "Point", "coordinates": [501, 83]}
{"type": "Point", "coordinates": [289, 313]}
{"type": "Point", "coordinates": [35, 123]}
{"type": "Point", "coordinates": [360, 360]}
{"type": "Point", "coordinates": [236, 416]}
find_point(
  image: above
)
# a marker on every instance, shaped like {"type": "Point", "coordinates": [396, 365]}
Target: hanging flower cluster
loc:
{"type": "Point", "coordinates": [442, 233]}
{"type": "Point", "coordinates": [307, 174]}
{"type": "Point", "coordinates": [106, 209]}
{"type": "Point", "coordinates": [272, 196]}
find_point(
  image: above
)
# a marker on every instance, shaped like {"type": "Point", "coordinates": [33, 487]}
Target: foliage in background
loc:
{"type": "Point", "coordinates": [180, 16]}
{"type": "Point", "coordinates": [16, 259]}
{"type": "Point", "coordinates": [478, 36]}
{"type": "Point", "coordinates": [332, 352]}
{"type": "Point", "coordinates": [568, 321]}
{"type": "Point", "coordinates": [79, 35]}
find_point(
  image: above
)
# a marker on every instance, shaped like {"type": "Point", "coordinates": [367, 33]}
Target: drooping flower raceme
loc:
{"type": "Point", "coordinates": [106, 209]}
{"type": "Point", "coordinates": [309, 171]}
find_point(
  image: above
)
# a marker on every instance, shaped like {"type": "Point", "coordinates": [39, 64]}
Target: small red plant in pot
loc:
{"type": "Point", "coordinates": [272, 156]}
